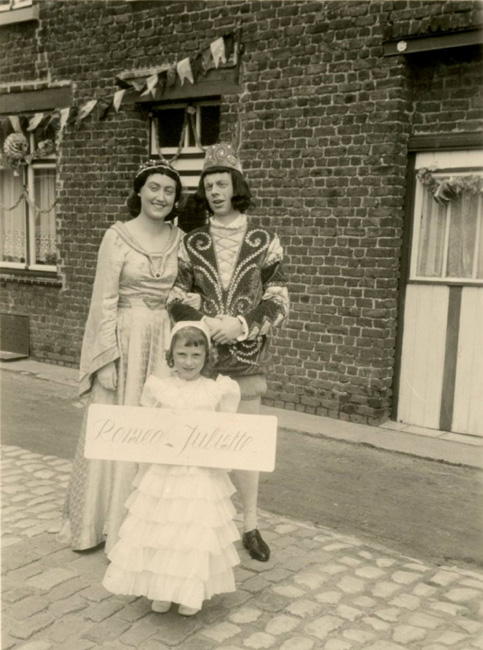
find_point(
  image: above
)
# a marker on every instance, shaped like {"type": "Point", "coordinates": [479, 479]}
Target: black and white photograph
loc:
{"type": "Point", "coordinates": [241, 324]}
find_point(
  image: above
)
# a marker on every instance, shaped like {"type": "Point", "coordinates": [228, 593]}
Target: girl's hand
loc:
{"type": "Point", "coordinates": [192, 300]}
{"type": "Point", "coordinates": [107, 376]}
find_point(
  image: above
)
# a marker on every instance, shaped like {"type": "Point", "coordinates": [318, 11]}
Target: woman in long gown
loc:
{"type": "Point", "coordinates": [124, 342]}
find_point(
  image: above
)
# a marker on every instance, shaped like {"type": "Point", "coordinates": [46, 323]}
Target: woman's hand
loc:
{"type": "Point", "coordinates": [107, 376]}
{"type": "Point", "coordinates": [192, 300]}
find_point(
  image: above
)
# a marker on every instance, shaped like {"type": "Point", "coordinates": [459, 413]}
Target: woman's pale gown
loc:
{"type": "Point", "coordinates": [128, 324]}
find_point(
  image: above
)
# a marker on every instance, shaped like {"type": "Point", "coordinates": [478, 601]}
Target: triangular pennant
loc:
{"type": "Point", "coordinates": [51, 121]}
{"type": "Point", "coordinates": [44, 125]}
{"type": "Point", "coordinates": [207, 59]}
{"type": "Point", "coordinates": [15, 122]}
{"type": "Point", "coordinates": [163, 80]}
{"type": "Point", "coordinates": [184, 70]}
{"type": "Point", "coordinates": [229, 45]}
{"type": "Point", "coordinates": [218, 51]}
{"type": "Point", "coordinates": [64, 116]}
{"type": "Point", "coordinates": [138, 85]}
{"type": "Point", "coordinates": [122, 83]}
{"type": "Point", "coordinates": [197, 66]}
{"type": "Point", "coordinates": [85, 110]}
{"type": "Point", "coordinates": [5, 125]}
{"type": "Point", "coordinates": [35, 121]}
{"type": "Point", "coordinates": [171, 76]}
{"type": "Point", "coordinates": [116, 102]}
{"type": "Point", "coordinates": [103, 107]}
{"type": "Point", "coordinates": [24, 122]}
{"type": "Point", "coordinates": [151, 83]}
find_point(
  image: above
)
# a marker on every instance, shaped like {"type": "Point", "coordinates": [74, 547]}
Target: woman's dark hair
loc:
{"type": "Point", "coordinates": [192, 337]}
{"type": "Point", "coordinates": [134, 200]}
{"type": "Point", "coordinates": [242, 197]}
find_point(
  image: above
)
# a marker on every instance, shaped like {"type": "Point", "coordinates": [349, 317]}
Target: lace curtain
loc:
{"type": "Point", "coordinates": [461, 256]}
{"type": "Point", "coordinates": [45, 237]}
{"type": "Point", "coordinates": [13, 222]}
{"type": "Point", "coordinates": [13, 227]}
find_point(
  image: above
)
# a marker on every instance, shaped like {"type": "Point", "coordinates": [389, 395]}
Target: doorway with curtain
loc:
{"type": "Point", "coordinates": [441, 366]}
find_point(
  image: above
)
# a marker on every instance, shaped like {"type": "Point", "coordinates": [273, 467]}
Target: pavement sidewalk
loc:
{"type": "Point", "coordinates": [454, 448]}
{"type": "Point", "coordinates": [320, 589]}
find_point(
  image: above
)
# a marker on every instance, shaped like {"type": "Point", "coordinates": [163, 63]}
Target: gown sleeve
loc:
{"type": "Point", "coordinates": [99, 345]}
{"type": "Point", "coordinates": [229, 394]}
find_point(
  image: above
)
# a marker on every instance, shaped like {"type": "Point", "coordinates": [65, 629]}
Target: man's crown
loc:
{"type": "Point", "coordinates": [222, 155]}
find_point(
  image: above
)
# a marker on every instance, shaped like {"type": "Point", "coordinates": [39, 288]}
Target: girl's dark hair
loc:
{"type": "Point", "coordinates": [242, 197]}
{"type": "Point", "coordinates": [192, 337]}
{"type": "Point", "coordinates": [134, 200]}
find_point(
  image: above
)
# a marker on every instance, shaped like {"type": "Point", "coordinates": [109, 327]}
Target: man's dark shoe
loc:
{"type": "Point", "coordinates": [258, 549]}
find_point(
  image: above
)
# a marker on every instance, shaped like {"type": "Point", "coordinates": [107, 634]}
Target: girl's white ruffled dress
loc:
{"type": "Point", "coordinates": [176, 543]}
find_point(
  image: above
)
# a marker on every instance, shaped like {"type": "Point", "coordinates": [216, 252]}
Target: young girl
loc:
{"type": "Point", "coordinates": [176, 543]}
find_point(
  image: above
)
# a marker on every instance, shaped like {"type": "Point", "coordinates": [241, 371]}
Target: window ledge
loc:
{"type": "Point", "coordinates": [37, 278]}
{"type": "Point", "coordinates": [447, 282]}
{"type": "Point", "coordinates": [14, 16]}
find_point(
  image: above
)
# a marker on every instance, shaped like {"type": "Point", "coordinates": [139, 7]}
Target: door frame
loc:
{"type": "Point", "coordinates": [418, 144]}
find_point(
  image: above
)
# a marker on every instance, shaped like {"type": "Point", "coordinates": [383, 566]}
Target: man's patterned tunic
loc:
{"type": "Point", "coordinates": [256, 290]}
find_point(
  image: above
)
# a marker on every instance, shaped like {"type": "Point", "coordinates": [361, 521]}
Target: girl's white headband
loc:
{"type": "Point", "coordinates": [199, 324]}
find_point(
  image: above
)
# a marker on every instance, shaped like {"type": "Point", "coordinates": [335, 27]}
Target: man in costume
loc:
{"type": "Point", "coordinates": [236, 269]}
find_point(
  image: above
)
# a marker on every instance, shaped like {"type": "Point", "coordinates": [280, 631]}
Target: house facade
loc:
{"type": "Point", "coordinates": [361, 136]}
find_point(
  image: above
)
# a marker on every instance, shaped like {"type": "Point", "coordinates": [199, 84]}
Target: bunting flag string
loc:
{"type": "Point", "coordinates": [48, 127]}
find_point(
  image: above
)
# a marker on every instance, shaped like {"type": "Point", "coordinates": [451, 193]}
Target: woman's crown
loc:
{"type": "Point", "coordinates": [160, 165]}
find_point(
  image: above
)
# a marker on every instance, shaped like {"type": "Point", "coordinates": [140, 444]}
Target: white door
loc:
{"type": "Point", "coordinates": [441, 377]}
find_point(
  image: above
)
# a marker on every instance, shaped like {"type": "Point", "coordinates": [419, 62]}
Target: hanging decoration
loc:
{"type": "Point", "coordinates": [20, 148]}
{"type": "Point", "coordinates": [15, 149]}
{"type": "Point", "coordinates": [25, 196]}
{"type": "Point", "coordinates": [45, 148]}
{"type": "Point", "coordinates": [188, 123]}
{"type": "Point", "coordinates": [447, 189]}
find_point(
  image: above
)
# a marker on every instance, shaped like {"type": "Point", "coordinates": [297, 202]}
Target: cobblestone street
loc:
{"type": "Point", "coordinates": [320, 589]}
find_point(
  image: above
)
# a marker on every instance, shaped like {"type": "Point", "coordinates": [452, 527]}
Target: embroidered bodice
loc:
{"type": "Point", "coordinates": [257, 289]}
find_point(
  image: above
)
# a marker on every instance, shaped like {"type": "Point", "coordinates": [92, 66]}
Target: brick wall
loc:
{"type": "Point", "coordinates": [326, 122]}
